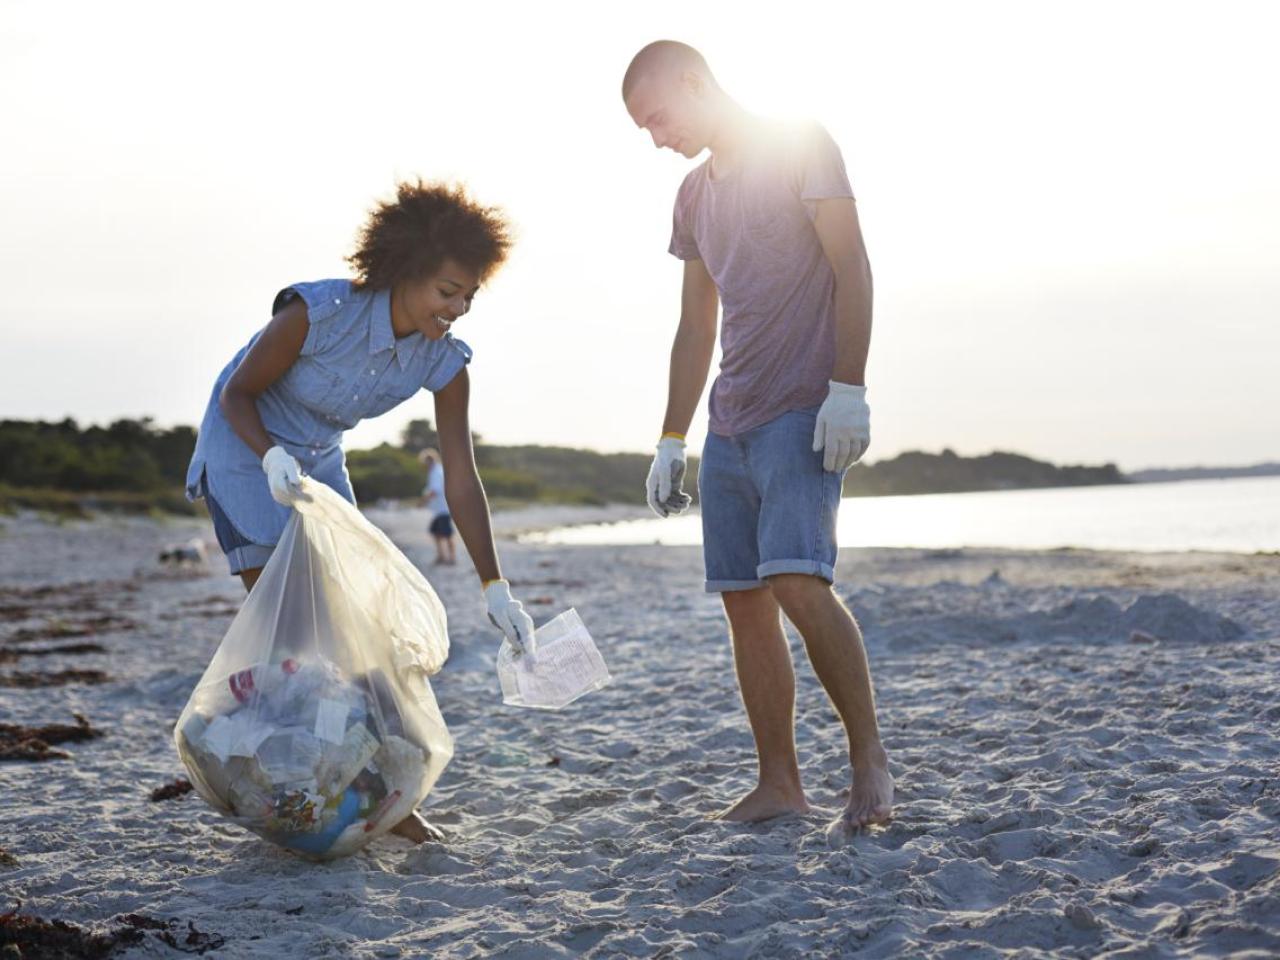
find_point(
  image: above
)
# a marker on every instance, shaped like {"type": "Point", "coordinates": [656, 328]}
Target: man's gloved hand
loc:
{"type": "Point", "coordinates": [284, 476]}
{"type": "Point", "coordinates": [507, 614]}
{"type": "Point", "coordinates": [843, 430]}
{"type": "Point", "coordinates": [665, 477]}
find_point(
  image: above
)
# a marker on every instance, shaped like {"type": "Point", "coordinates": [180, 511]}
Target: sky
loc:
{"type": "Point", "coordinates": [1072, 210]}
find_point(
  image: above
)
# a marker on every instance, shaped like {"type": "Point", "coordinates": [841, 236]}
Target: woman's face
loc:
{"type": "Point", "coordinates": [430, 306]}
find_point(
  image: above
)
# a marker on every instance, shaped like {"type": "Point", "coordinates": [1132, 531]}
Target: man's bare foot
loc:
{"type": "Point", "coordinates": [417, 830]}
{"type": "Point", "coordinates": [764, 803]}
{"type": "Point", "coordinates": [870, 801]}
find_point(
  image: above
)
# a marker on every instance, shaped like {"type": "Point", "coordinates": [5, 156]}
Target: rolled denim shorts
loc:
{"type": "Point", "coordinates": [768, 507]}
{"type": "Point", "coordinates": [242, 553]}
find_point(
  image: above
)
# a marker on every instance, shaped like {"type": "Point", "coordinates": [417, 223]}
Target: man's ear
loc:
{"type": "Point", "coordinates": [693, 83]}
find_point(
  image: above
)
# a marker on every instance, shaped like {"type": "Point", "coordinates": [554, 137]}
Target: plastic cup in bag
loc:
{"type": "Point", "coordinates": [566, 666]}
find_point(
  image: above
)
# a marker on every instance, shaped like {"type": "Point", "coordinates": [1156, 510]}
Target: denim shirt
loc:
{"type": "Point", "coordinates": [351, 367]}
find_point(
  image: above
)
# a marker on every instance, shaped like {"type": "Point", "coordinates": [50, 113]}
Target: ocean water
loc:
{"type": "Point", "coordinates": [1234, 515]}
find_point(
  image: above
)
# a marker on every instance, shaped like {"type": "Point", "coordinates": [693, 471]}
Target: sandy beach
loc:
{"type": "Point", "coordinates": [1084, 745]}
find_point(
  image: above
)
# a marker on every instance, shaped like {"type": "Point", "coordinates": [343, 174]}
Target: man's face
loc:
{"type": "Point", "coordinates": [673, 110]}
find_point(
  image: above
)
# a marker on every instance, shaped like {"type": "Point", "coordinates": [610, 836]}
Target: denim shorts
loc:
{"type": "Point", "coordinates": [441, 526]}
{"type": "Point", "coordinates": [242, 553]}
{"type": "Point", "coordinates": [768, 507]}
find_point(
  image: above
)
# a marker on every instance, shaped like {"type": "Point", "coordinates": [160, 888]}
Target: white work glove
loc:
{"type": "Point", "coordinates": [507, 614]}
{"type": "Point", "coordinates": [665, 477]}
{"type": "Point", "coordinates": [283, 475]}
{"type": "Point", "coordinates": [843, 430]}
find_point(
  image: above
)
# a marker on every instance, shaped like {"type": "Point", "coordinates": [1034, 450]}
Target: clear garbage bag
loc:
{"type": "Point", "coordinates": [565, 666]}
{"type": "Point", "coordinates": [315, 725]}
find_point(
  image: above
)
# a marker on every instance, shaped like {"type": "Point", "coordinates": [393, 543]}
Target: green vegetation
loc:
{"type": "Point", "coordinates": [130, 466]}
{"type": "Point", "coordinates": [510, 474]}
{"type": "Point", "coordinates": [946, 472]}
{"type": "Point", "coordinates": [134, 466]}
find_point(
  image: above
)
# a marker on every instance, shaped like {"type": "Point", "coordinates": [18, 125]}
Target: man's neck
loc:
{"type": "Point", "coordinates": [730, 141]}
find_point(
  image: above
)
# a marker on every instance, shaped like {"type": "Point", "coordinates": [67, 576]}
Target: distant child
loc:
{"type": "Point", "coordinates": [339, 351]}
{"type": "Point", "coordinates": [441, 526]}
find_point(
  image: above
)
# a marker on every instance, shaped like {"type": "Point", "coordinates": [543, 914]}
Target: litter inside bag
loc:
{"type": "Point", "coordinates": [565, 666]}
{"type": "Point", "coordinates": [315, 725]}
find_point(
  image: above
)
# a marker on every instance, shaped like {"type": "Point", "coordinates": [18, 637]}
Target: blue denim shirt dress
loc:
{"type": "Point", "coordinates": [351, 367]}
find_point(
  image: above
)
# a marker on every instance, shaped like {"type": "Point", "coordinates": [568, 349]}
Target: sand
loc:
{"type": "Point", "coordinates": [1084, 743]}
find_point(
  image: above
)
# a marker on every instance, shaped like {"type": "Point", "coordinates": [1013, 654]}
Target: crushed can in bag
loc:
{"type": "Point", "coordinates": [315, 725]}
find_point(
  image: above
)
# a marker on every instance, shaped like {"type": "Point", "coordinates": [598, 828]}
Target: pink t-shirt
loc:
{"type": "Point", "coordinates": [753, 229]}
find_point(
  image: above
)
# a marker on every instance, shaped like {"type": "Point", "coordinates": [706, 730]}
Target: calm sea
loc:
{"type": "Point", "coordinates": [1237, 515]}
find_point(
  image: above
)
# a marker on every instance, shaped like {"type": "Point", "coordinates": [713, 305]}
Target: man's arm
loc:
{"type": "Point", "coordinates": [841, 237]}
{"type": "Point", "coordinates": [693, 347]}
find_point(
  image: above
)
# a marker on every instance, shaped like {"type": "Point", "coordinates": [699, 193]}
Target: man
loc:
{"type": "Point", "coordinates": [768, 227]}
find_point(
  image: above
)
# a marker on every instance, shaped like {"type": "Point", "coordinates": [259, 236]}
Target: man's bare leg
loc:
{"type": "Point", "coordinates": [412, 827]}
{"type": "Point", "coordinates": [768, 685]}
{"type": "Point", "coordinates": [835, 648]}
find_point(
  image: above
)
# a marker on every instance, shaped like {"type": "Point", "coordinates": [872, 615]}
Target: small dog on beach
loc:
{"type": "Point", "coordinates": [181, 556]}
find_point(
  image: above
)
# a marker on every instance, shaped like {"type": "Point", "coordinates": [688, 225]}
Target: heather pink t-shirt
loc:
{"type": "Point", "coordinates": [753, 229]}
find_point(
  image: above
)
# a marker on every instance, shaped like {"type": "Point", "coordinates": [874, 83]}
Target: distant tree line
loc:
{"type": "Point", "coordinates": [133, 464]}
{"type": "Point", "coordinates": [130, 455]}
{"type": "Point", "coordinates": [947, 472]}
{"type": "Point", "coordinates": [129, 465]}
{"type": "Point", "coordinates": [523, 473]}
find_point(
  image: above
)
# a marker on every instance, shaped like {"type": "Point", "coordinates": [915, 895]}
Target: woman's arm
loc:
{"type": "Point", "coordinates": [265, 363]}
{"type": "Point", "coordinates": [462, 487]}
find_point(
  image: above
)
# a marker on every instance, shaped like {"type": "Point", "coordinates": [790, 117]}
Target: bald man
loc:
{"type": "Point", "coordinates": [767, 227]}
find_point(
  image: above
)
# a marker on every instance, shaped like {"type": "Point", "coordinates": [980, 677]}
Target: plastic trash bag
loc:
{"type": "Point", "coordinates": [566, 666]}
{"type": "Point", "coordinates": [315, 725]}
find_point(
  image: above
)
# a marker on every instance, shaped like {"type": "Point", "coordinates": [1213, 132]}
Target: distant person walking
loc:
{"type": "Point", "coordinates": [767, 226]}
{"type": "Point", "coordinates": [433, 498]}
{"type": "Point", "coordinates": [339, 351]}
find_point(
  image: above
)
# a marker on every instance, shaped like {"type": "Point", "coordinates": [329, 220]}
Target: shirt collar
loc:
{"type": "Point", "coordinates": [382, 337]}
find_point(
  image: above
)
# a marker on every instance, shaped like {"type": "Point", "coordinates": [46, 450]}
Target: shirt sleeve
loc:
{"type": "Point", "coordinates": [683, 245]}
{"type": "Point", "coordinates": [324, 300]}
{"type": "Point", "coordinates": [454, 355]}
{"type": "Point", "coordinates": [820, 170]}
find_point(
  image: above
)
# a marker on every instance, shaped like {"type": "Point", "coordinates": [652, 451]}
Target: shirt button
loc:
{"type": "Point", "coordinates": [355, 396]}
{"type": "Point", "coordinates": [336, 301]}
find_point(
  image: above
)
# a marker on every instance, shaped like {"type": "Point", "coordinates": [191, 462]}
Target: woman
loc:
{"type": "Point", "coordinates": [338, 351]}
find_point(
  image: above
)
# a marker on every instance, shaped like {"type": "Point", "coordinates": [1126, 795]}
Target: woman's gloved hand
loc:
{"type": "Point", "coordinates": [508, 615]}
{"type": "Point", "coordinates": [284, 476]}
